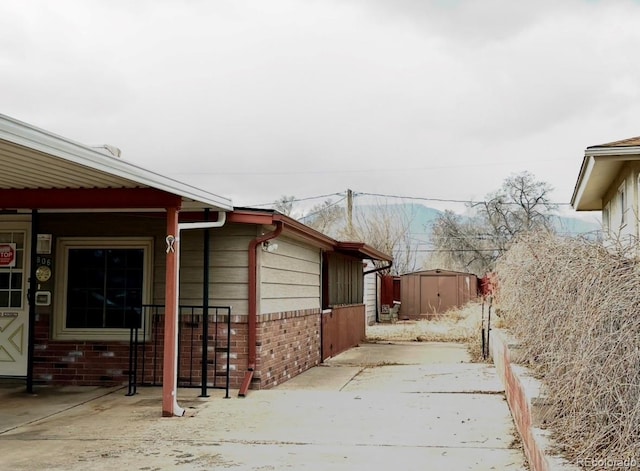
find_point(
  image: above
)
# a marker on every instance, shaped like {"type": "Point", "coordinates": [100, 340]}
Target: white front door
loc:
{"type": "Point", "coordinates": [14, 308]}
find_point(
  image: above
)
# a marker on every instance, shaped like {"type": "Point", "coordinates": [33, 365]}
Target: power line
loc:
{"type": "Point", "coordinates": [414, 198]}
{"type": "Point", "coordinates": [323, 209]}
{"type": "Point", "coordinates": [443, 200]}
{"type": "Point", "coordinates": [297, 200]}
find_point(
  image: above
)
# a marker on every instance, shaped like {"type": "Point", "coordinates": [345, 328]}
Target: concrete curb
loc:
{"type": "Point", "coordinates": [527, 406]}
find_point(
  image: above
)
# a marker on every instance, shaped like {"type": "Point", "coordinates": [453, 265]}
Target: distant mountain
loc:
{"type": "Point", "coordinates": [422, 219]}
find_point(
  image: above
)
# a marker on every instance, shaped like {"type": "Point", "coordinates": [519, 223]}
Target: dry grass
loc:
{"type": "Point", "coordinates": [460, 325]}
{"type": "Point", "coordinates": [573, 305]}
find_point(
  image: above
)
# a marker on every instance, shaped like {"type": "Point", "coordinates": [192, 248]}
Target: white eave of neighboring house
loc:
{"type": "Point", "coordinates": [600, 167]}
{"type": "Point", "coordinates": [32, 158]}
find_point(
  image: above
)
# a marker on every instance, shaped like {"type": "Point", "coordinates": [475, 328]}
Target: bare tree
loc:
{"type": "Point", "coordinates": [382, 226]}
{"type": "Point", "coordinates": [284, 205]}
{"type": "Point", "coordinates": [474, 243]}
{"type": "Point", "coordinates": [388, 228]}
{"type": "Point", "coordinates": [325, 217]}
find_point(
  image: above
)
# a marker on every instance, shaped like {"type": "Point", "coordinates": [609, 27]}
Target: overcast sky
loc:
{"type": "Point", "coordinates": [257, 99]}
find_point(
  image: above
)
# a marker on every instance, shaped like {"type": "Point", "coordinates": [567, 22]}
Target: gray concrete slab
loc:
{"type": "Point", "coordinates": [19, 408]}
{"type": "Point", "coordinates": [402, 353]}
{"type": "Point", "coordinates": [357, 418]}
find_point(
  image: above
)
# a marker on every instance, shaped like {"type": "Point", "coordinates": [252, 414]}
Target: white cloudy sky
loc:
{"type": "Point", "coordinates": [253, 99]}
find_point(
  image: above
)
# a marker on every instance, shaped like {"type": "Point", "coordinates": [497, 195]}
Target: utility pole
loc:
{"type": "Point", "coordinates": [350, 213]}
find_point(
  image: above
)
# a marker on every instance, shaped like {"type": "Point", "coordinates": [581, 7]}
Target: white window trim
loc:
{"type": "Point", "coordinates": [606, 219]}
{"type": "Point", "coordinates": [623, 197]}
{"type": "Point", "coordinates": [63, 245]}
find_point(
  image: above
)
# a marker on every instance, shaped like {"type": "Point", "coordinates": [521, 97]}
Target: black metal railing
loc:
{"type": "Point", "coordinates": [486, 328]}
{"type": "Point", "coordinates": [204, 347]}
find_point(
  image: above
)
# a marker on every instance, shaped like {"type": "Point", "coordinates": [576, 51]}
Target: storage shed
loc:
{"type": "Point", "coordinates": [426, 293]}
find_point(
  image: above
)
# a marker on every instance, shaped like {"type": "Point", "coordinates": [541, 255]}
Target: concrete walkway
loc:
{"type": "Point", "coordinates": [414, 406]}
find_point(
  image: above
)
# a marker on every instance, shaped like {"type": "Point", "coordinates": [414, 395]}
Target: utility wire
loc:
{"type": "Point", "coordinates": [415, 198]}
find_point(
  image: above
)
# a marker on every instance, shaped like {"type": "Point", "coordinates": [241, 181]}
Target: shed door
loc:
{"type": "Point", "coordinates": [14, 309]}
{"type": "Point", "coordinates": [438, 294]}
{"type": "Point", "coordinates": [429, 295]}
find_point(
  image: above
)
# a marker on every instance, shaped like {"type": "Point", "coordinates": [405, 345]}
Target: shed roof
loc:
{"type": "Point", "coordinates": [35, 159]}
{"type": "Point", "coordinates": [438, 271]}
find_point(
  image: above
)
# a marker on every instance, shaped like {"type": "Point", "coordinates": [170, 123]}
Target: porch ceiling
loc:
{"type": "Point", "coordinates": [34, 159]}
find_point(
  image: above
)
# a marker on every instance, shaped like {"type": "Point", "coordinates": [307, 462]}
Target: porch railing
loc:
{"type": "Point", "coordinates": [204, 347]}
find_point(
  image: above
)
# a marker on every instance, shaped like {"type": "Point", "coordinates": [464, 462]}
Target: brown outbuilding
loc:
{"type": "Point", "coordinates": [427, 293]}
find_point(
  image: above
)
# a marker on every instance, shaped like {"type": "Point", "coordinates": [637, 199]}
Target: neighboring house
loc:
{"type": "Point", "coordinates": [89, 242]}
{"type": "Point", "coordinates": [430, 292]}
{"type": "Point", "coordinates": [608, 182]}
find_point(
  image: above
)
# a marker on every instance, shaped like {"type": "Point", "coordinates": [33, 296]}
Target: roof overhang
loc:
{"type": "Point", "coordinates": [41, 163]}
{"type": "Point", "coordinates": [299, 231]}
{"type": "Point", "coordinates": [600, 167]}
{"type": "Point", "coordinates": [362, 251]}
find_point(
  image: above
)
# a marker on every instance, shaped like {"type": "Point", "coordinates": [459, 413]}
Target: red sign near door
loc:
{"type": "Point", "coordinates": [7, 255]}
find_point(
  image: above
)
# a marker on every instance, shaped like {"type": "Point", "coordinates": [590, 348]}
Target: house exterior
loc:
{"type": "Point", "coordinates": [608, 181]}
{"type": "Point", "coordinates": [431, 292]}
{"type": "Point", "coordinates": [90, 244]}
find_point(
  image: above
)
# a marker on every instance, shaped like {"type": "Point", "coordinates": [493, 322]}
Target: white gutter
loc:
{"type": "Point", "coordinates": [32, 137]}
{"type": "Point", "coordinates": [612, 151]}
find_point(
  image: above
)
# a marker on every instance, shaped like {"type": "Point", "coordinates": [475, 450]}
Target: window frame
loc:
{"type": "Point", "coordinates": [63, 246]}
{"type": "Point", "coordinates": [606, 219]}
{"type": "Point", "coordinates": [622, 196]}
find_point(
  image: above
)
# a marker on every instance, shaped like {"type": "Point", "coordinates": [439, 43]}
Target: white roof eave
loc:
{"type": "Point", "coordinates": [32, 137]}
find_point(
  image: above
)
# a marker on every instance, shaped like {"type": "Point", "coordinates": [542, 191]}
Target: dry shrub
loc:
{"type": "Point", "coordinates": [457, 325]}
{"type": "Point", "coordinates": [573, 305]}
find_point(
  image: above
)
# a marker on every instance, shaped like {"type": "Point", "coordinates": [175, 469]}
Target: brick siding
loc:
{"type": "Point", "coordinates": [288, 344]}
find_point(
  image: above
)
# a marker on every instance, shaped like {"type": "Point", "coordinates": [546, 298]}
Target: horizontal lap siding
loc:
{"type": "Point", "coordinates": [228, 267]}
{"type": "Point", "coordinates": [289, 277]}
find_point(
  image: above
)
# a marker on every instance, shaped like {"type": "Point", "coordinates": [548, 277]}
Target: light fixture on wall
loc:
{"type": "Point", "coordinates": [269, 246]}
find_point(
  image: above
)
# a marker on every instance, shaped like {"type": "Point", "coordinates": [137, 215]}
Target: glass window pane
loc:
{"type": "Point", "coordinates": [18, 239]}
{"type": "Point", "coordinates": [6, 237]}
{"type": "Point", "coordinates": [4, 280]}
{"type": "Point", "coordinates": [16, 280]}
{"type": "Point", "coordinates": [115, 318]}
{"type": "Point", "coordinates": [94, 319]}
{"type": "Point", "coordinates": [4, 298]}
{"type": "Point", "coordinates": [19, 259]}
{"type": "Point", "coordinates": [16, 298]}
{"type": "Point", "coordinates": [102, 285]}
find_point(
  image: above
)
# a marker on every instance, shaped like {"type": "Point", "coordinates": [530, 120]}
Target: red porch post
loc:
{"type": "Point", "coordinates": [170, 405]}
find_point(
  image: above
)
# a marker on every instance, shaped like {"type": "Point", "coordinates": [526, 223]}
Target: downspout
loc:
{"type": "Point", "coordinates": [374, 270]}
{"type": "Point", "coordinates": [170, 406]}
{"type": "Point", "coordinates": [253, 305]}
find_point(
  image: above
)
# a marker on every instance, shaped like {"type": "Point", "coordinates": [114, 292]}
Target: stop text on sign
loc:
{"type": "Point", "coordinates": [7, 255]}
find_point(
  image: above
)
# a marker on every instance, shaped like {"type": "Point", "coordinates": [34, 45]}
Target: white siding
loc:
{"type": "Point", "coordinates": [371, 295]}
{"type": "Point", "coordinates": [621, 203]}
{"type": "Point", "coordinates": [290, 274]}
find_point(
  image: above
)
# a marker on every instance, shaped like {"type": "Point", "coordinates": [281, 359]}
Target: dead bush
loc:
{"type": "Point", "coordinates": [457, 325]}
{"type": "Point", "coordinates": [574, 306]}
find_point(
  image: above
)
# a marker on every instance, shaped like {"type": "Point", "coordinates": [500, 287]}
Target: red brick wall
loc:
{"type": "Point", "coordinates": [288, 344]}
{"type": "Point", "coordinates": [190, 354]}
{"type": "Point", "coordinates": [79, 363]}
{"type": "Point", "coordinates": [106, 363]}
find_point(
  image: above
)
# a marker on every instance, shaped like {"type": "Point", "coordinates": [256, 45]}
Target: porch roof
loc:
{"type": "Point", "coordinates": [600, 166]}
{"type": "Point", "coordinates": [39, 166]}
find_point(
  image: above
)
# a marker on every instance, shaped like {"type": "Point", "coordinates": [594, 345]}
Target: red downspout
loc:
{"type": "Point", "coordinates": [253, 304]}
